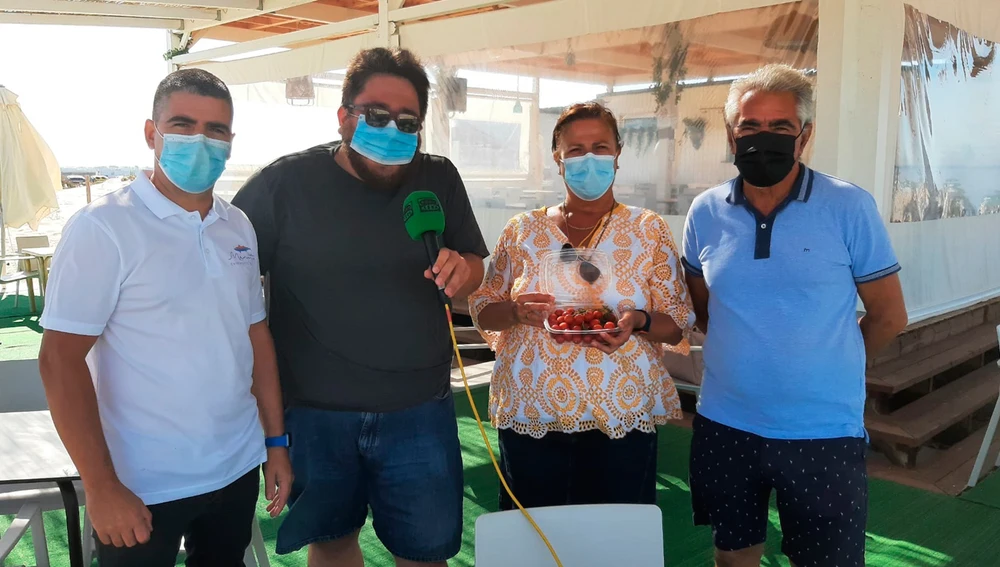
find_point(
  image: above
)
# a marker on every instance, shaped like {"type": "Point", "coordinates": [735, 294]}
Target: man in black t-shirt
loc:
{"type": "Point", "coordinates": [362, 338]}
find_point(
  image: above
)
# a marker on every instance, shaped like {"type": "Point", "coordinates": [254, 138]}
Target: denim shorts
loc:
{"type": "Point", "coordinates": [406, 466]}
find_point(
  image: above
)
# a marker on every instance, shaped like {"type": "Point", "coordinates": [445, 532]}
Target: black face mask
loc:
{"type": "Point", "coordinates": [765, 158]}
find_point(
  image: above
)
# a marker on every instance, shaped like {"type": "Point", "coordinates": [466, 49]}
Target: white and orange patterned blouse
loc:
{"type": "Point", "coordinates": [539, 385]}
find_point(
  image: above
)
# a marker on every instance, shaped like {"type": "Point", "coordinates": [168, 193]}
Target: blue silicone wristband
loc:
{"type": "Point", "coordinates": [280, 441]}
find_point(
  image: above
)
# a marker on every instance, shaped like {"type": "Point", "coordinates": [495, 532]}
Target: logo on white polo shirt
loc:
{"type": "Point", "coordinates": [241, 256]}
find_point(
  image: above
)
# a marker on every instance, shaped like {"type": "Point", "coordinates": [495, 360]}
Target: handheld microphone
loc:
{"type": "Point", "coordinates": [424, 221]}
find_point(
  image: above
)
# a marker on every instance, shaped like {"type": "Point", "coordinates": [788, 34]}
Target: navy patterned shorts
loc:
{"type": "Point", "coordinates": [821, 485]}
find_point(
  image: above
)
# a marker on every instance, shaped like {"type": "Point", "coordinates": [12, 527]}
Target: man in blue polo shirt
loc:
{"type": "Point", "coordinates": [775, 261]}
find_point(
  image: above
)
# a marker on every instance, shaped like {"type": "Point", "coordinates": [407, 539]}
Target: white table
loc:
{"type": "Point", "coordinates": [44, 255]}
{"type": "Point", "coordinates": [31, 452]}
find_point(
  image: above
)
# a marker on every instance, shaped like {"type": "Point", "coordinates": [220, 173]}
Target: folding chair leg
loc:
{"type": "Point", "coordinates": [984, 449]}
{"type": "Point", "coordinates": [17, 293]}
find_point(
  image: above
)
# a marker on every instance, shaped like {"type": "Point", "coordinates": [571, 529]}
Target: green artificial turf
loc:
{"type": "Point", "coordinates": [907, 527]}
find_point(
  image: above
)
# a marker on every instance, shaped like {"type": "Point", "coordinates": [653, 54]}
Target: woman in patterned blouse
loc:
{"type": "Point", "coordinates": [577, 422]}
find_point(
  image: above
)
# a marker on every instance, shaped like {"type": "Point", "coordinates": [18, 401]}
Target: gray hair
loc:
{"type": "Point", "coordinates": [773, 78]}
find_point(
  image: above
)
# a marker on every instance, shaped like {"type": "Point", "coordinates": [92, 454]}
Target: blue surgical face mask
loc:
{"type": "Point", "coordinates": [193, 163]}
{"type": "Point", "coordinates": [386, 146]}
{"type": "Point", "coordinates": [589, 177]}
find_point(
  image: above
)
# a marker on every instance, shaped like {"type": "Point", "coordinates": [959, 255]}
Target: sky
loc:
{"type": "Point", "coordinates": [87, 90]}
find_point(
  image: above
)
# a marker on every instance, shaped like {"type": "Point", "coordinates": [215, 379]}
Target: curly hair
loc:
{"type": "Point", "coordinates": [400, 63]}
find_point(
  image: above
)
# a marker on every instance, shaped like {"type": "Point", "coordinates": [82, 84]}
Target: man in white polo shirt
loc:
{"type": "Point", "coordinates": [158, 366]}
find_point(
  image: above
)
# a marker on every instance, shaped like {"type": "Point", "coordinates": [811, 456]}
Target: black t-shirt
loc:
{"type": "Point", "coordinates": [356, 325]}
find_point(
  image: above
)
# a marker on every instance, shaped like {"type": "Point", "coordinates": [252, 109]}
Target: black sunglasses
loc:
{"type": "Point", "coordinates": [379, 118]}
{"type": "Point", "coordinates": [588, 271]}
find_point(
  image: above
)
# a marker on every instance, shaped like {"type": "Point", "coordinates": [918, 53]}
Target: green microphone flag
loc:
{"type": "Point", "coordinates": [424, 221]}
{"type": "Point", "coordinates": [422, 214]}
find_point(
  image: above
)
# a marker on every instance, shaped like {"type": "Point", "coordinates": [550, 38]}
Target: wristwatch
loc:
{"type": "Point", "coordinates": [645, 326]}
{"type": "Point", "coordinates": [279, 441]}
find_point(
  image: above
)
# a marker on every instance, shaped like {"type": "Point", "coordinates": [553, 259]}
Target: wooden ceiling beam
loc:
{"type": "Point", "coordinates": [109, 9]}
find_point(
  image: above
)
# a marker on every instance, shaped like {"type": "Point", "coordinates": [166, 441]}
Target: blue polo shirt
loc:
{"type": "Point", "coordinates": [784, 356]}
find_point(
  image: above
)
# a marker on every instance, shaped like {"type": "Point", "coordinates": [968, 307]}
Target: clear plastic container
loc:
{"type": "Point", "coordinates": [577, 279]}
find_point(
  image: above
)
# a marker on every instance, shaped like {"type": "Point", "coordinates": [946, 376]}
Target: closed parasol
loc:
{"type": "Point", "coordinates": [29, 173]}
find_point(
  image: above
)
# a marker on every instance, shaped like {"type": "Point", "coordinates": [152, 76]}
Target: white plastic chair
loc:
{"type": "Point", "coordinates": [597, 535]}
{"type": "Point", "coordinates": [22, 272]}
{"type": "Point", "coordinates": [256, 554]}
{"type": "Point", "coordinates": [28, 501]}
{"type": "Point", "coordinates": [991, 431]}
{"type": "Point", "coordinates": [683, 386]}
{"type": "Point", "coordinates": [29, 517]}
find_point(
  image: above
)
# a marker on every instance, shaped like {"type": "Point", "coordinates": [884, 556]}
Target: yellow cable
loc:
{"type": "Point", "coordinates": [482, 430]}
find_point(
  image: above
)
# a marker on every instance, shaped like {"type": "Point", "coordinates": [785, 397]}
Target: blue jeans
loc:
{"type": "Point", "coordinates": [405, 465]}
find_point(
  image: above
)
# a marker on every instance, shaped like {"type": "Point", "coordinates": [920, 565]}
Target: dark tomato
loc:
{"type": "Point", "coordinates": [558, 312]}
{"type": "Point", "coordinates": [560, 338]}
{"type": "Point", "coordinates": [587, 339]}
{"type": "Point", "coordinates": [577, 328]}
{"type": "Point", "coordinates": [577, 339]}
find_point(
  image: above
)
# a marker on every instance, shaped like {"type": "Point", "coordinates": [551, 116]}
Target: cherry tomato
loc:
{"type": "Point", "coordinates": [562, 326]}
{"type": "Point", "coordinates": [609, 325]}
{"type": "Point", "coordinates": [578, 320]}
{"type": "Point", "coordinates": [558, 312]}
{"type": "Point", "coordinates": [577, 339]}
{"type": "Point", "coordinates": [587, 339]}
{"type": "Point", "coordinates": [577, 328]}
{"type": "Point", "coordinates": [596, 326]}
{"type": "Point", "coordinates": [560, 338]}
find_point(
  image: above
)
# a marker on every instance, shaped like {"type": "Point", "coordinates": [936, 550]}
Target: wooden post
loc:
{"type": "Point", "coordinates": [88, 189]}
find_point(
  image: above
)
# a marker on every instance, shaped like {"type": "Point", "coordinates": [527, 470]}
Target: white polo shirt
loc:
{"type": "Point", "coordinates": [171, 298]}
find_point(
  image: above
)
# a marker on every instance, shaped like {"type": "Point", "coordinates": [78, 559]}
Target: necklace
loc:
{"type": "Point", "coordinates": [562, 211]}
{"type": "Point", "coordinates": [614, 205]}
{"type": "Point", "coordinates": [606, 221]}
